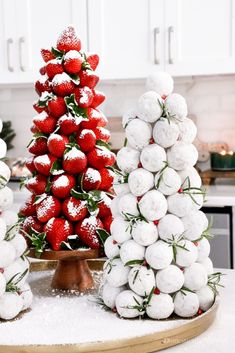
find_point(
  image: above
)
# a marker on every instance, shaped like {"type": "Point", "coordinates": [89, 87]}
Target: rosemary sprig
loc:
{"type": "Point", "coordinates": [11, 285]}
{"type": "Point", "coordinates": [214, 282]}
{"type": "Point", "coordinates": [110, 264]}
{"type": "Point", "coordinates": [174, 243]}
{"type": "Point", "coordinates": [132, 219]}
{"type": "Point", "coordinates": [207, 232]}
{"type": "Point", "coordinates": [191, 190]}
{"type": "Point", "coordinates": [11, 232]}
{"type": "Point", "coordinates": [122, 176]}
{"type": "Point", "coordinates": [161, 173]}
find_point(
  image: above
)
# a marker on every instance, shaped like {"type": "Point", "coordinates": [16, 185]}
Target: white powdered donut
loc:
{"type": "Point", "coordinates": [128, 116]}
{"type": "Point", "coordinates": [5, 174]}
{"type": "Point", "coordinates": [206, 298]}
{"type": "Point", "coordinates": [144, 233]}
{"type": "Point", "coordinates": [26, 295]}
{"type": "Point", "coordinates": [10, 305]}
{"type": "Point", "coordinates": [109, 294]}
{"type": "Point", "coordinates": [3, 228]}
{"type": "Point", "coordinates": [138, 133]}
{"type": "Point", "coordinates": [116, 273]}
{"type": "Point", "coordinates": [188, 130]}
{"type": "Point", "coordinates": [126, 303]}
{"type": "Point", "coordinates": [190, 178]}
{"type": "Point", "coordinates": [198, 201]}
{"type": "Point", "coordinates": [3, 148]}
{"type": "Point", "coordinates": [187, 304]}
{"type": "Point", "coordinates": [8, 253]}
{"type": "Point", "coordinates": [176, 106]}
{"type": "Point", "coordinates": [15, 270]}
{"type": "Point", "coordinates": [10, 217]}
{"type": "Point", "coordinates": [203, 247]}
{"type": "Point", "coordinates": [119, 186]}
{"type": "Point", "coordinates": [169, 182]}
{"type": "Point", "coordinates": [208, 265]}
{"type": "Point", "coordinates": [2, 284]}
{"type": "Point", "coordinates": [130, 250]}
{"type": "Point", "coordinates": [128, 159]}
{"type": "Point", "coordinates": [111, 247]}
{"type": "Point", "coordinates": [23, 262]}
{"type": "Point", "coordinates": [179, 204]}
{"type": "Point", "coordinates": [153, 205]}
{"type": "Point", "coordinates": [195, 277]}
{"type": "Point", "coordinates": [141, 280]}
{"type": "Point", "coordinates": [114, 206]}
{"type": "Point", "coordinates": [120, 230]}
{"type": "Point", "coordinates": [153, 157]}
{"type": "Point", "coordinates": [159, 255]}
{"type": "Point", "coordinates": [6, 198]}
{"type": "Point", "coordinates": [161, 306]}
{"type": "Point", "coordinates": [170, 279]}
{"type": "Point", "coordinates": [182, 155]}
{"type": "Point", "coordinates": [19, 244]}
{"type": "Point", "coordinates": [194, 224]}
{"type": "Point", "coordinates": [140, 181]}
{"type": "Point", "coordinates": [149, 108]}
{"type": "Point", "coordinates": [165, 133]}
{"type": "Point", "coordinates": [186, 254]}
{"type": "Point", "coordinates": [160, 82]}
{"type": "Point", "coordinates": [128, 204]}
{"type": "Point", "coordinates": [169, 227]}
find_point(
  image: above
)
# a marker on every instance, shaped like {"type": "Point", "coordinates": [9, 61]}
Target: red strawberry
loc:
{"type": "Point", "coordinates": [107, 223]}
{"type": "Point", "coordinates": [68, 40]}
{"type": "Point", "coordinates": [47, 55]}
{"type": "Point", "coordinates": [93, 61]}
{"type": "Point", "coordinates": [91, 179]}
{"type": "Point", "coordinates": [44, 163]}
{"type": "Point", "coordinates": [37, 108]}
{"type": "Point", "coordinates": [104, 206]}
{"type": "Point", "coordinates": [86, 140]}
{"type": "Point", "coordinates": [38, 146]}
{"type": "Point", "coordinates": [45, 123]}
{"type": "Point", "coordinates": [62, 85]}
{"type": "Point", "coordinates": [57, 230]}
{"type": "Point", "coordinates": [98, 98]}
{"type": "Point", "coordinates": [100, 157]}
{"type": "Point", "coordinates": [86, 230]}
{"type": "Point", "coordinates": [37, 184]}
{"type": "Point", "coordinates": [107, 177]}
{"type": "Point", "coordinates": [95, 118]}
{"type": "Point", "coordinates": [30, 164]}
{"type": "Point", "coordinates": [102, 133]}
{"type": "Point", "coordinates": [54, 67]}
{"type": "Point", "coordinates": [42, 70]}
{"type": "Point", "coordinates": [28, 209]}
{"type": "Point", "coordinates": [68, 124]}
{"type": "Point", "coordinates": [57, 144]}
{"type": "Point", "coordinates": [48, 208]}
{"type": "Point", "coordinates": [73, 209]}
{"type": "Point", "coordinates": [74, 161]}
{"type": "Point", "coordinates": [42, 85]}
{"type": "Point", "coordinates": [62, 184]}
{"type": "Point", "coordinates": [57, 107]}
{"type": "Point", "coordinates": [34, 129]}
{"type": "Point", "coordinates": [73, 62]}
{"type": "Point", "coordinates": [83, 96]}
{"type": "Point", "coordinates": [88, 78]}
{"type": "Point", "coordinates": [31, 223]}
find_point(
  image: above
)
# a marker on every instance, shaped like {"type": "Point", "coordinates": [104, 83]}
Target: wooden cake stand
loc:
{"type": "Point", "coordinates": [72, 271]}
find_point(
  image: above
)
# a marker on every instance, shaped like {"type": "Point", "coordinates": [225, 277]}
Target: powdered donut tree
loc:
{"type": "Point", "coordinates": [70, 181]}
{"type": "Point", "coordinates": [158, 249]}
{"type": "Point", "coordinates": [15, 293]}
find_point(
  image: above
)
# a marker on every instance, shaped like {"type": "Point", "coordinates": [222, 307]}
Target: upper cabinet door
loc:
{"type": "Point", "coordinates": [127, 35]}
{"type": "Point", "coordinates": [199, 37]}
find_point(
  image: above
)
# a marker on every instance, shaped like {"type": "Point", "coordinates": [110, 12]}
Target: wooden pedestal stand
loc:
{"type": "Point", "coordinates": [72, 271]}
{"type": "Point", "coordinates": [209, 176]}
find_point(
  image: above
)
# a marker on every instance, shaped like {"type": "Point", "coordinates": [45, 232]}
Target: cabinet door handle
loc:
{"type": "Point", "coordinates": [9, 43]}
{"type": "Point", "coordinates": [170, 32]}
{"type": "Point", "coordinates": [21, 42]}
{"type": "Point", "coordinates": [156, 32]}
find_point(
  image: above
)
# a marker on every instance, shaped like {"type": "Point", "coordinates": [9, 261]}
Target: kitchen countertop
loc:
{"type": "Point", "coordinates": [220, 195]}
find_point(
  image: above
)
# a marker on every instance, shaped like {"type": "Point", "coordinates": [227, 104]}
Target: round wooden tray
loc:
{"type": "Point", "coordinates": [143, 344]}
{"type": "Point", "coordinates": [72, 271]}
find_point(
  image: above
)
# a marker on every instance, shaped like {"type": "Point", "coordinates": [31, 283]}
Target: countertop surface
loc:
{"type": "Point", "coordinates": [220, 195]}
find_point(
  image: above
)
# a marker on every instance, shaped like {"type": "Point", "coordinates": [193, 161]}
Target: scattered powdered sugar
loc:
{"type": "Point", "coordinates": [93, 175]}
{"type": "Point", "coordinates": [84, 132]}
{"type": "Point", "coordinates": [67, 35]}
{"type": "Point", "coordinates": [45, 206]}
{"type": "Point", "coordinates": [74, 209]}
{"type": "Point", "coordinates": [61, 182]}
{"type": "Point", "coordinates": [90, 223]}
{"type": "Point", "coordinates": [84, 95]}
{"type": "Point", "coordinates": [43, 78]}
{"type": "Point", "coordinates": [72, 54]}
{"type": "Point", "coordinates": [60, 78]}
{"type": "Point", "coordinates": [44, 159]}
{"type": "Point", "coordinates": [56, 137]}
{"type": "Point", "coordinates": [41, 116]}
{"type": "Point", "coordinates": [105, 199]}
{"type": "Point", "coordinates": [74, 153]}
{"type": "Point", "coordinates": [103, 152]}
{"type": "Point", "coordinates": [55, 61]}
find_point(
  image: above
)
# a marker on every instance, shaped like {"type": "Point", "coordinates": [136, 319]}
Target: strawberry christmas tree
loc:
{"type": "Point", "coordinates": [70, 183]}
{"type": "Point", "coordinates": [158, 252]}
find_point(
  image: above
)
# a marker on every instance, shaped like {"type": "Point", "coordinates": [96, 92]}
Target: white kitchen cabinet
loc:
{"type": "Point", "coordinates": [199, 37]}
{"type": "Point", "coordinates": [127, 36]}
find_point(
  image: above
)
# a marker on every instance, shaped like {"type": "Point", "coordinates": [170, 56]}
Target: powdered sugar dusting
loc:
{"type": "Point", "coordinates": [62, 181]}
{"type": "Point", "coordinates": [60, 78]}
{"type": "Point", "coordinates": [75, 208]}
{"type": "Point", "coordinates": [44, 160]}
{"type": "Point", "coordinates": [54, 137]}
{"type": "Point", "coordinates": [45, 206]}
{"type": "Point", "coordinates": [41, 116]}
{"type": "Point", "coordinates": [72, 54]}
{"type": "Point", "coordinates": [43, 78]}
{"type": "Point", "coordinates": [74, 153]}
{"type": "Point", "coordinates": [93, 175]}
{"type": "Point", "coordinates": [84, 95]}
{"type": "Point", "coordinates": [55, 61]}
{"type": "Point", "coordinates": [84, 132]}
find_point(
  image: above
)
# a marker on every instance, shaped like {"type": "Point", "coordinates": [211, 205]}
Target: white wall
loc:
{"type": "Point", "coordinates": [211, 99]}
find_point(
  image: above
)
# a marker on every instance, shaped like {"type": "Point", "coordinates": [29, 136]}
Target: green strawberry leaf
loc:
{"type": "Point", "coordinates": [79, 195]}
{"type": "Point", "coordinates": [101, 143]}
{"type": "Point", "coordinates": [96, 195]}
{"type": "Point", "coordinates": [56, 168]}
{"type": "Point", "coordinates": [45, 97]}
{"type": "Point", "coordinates": [39, 198]}
{"type": "Point", "coordinates": [48, 186]}
{"type": "Point", "coordinates": [103, 234]}
{"type": "Point", "coordinates": [74, 109]}
{"type": "Point", "coordinates": [75, 78]}
{"type": "Point", "coordinates": [57, 53]}
{"type": "Point", "coordinates": [38, 241]}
